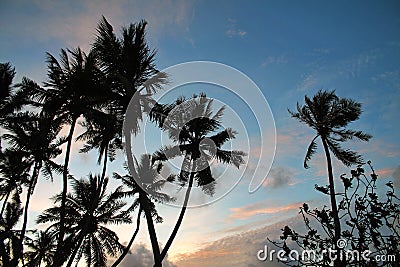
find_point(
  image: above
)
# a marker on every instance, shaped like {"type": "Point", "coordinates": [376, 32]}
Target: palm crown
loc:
{"type": "Point", "coordinates": [88, 211]}
{"type": "Point", "coordinates": [189, 124]}
{"type": "Point", "coordinates": [329, 115]}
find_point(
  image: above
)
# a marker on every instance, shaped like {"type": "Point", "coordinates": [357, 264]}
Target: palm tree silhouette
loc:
{"type": "Point", "coordinates": [102, 133]}
{"type": "Point", "coordinates": [9, 238]}
{"type": "Point", "coordinates": [89, 202]}
{"type": "Point", "coordinates": [34, 136]}
{"type": "Point", "coordinates": [40, 249]}
{"type": "Point", "coordinates": [145, 187]}
{"type": "Point", "coordinates": [328, 115]}
{"type": "Point", "coordinates": [75, 88]}
{"type": "Point", "coordinates": [7, 74]}
{"type": "Point", "coordinates": [128, 64]}
{"type": "Point", "coordinates": [188, 123]}
{"type": "Point", "coordinates": [14, 173]}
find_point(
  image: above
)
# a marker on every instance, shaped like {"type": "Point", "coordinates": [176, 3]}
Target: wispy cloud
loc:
{"type": "Point", "coordinates": [279, 177]}
{"type": "Point", "coordinates": [278, 60]}
{"type": "Point", "coordinates": [73, 24]}
{"type": "Point", "coordinates": [141, 256]}
{"type": "Point", "coordinates": [233, 30]}
{"type": "Point", "coordinates": [236, 250]}
{"type": "Point", "coordinates": [260, 208]}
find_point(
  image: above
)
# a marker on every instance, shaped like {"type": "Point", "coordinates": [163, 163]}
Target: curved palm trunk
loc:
{"type": "Point", "coordinates": [118, 261]}
{"type": "Point", "coordinates": [332, 194]}
{"type": "Point", "coordinates": [143, 202]}
{"type": "Point", "coordinates": [150, 227]}
{"type": "Point", "coordinates": [29, 193]}
{"type": "Point", "coordinates": [180, 219]}
{"type": "Point", "coordinates": [103, 174]}
{"type": "Point", "coordinates": [58, 259]}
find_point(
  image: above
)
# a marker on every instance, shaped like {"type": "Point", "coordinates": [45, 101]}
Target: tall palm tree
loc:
{"type": "Point", "coordinates": [89, 202]}
{"type": "Point", "coordinates": [40, 249]}
{"type": "Point", "coordinates": [75, 88]}
{"type": "Point", "coordinates": [145, 187]}
{"type": "Point", "coordinates": [329, 115]}
{"type": "Point", "coordinates": [189, 124]}
{"type": "Point", "coordinates": [7, 74]}
{"type": "Point", "coordinates": [14, 173]}
{"type": "Point", "coordinates": [9, 237]}
{"type": "Point", "coordinates": [34, 137]}
{"type": "Point", "coordinates": [128, 63]}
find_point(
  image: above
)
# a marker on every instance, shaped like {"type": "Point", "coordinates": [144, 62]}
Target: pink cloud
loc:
{"type": "Point", "coordinates": [260, 208]}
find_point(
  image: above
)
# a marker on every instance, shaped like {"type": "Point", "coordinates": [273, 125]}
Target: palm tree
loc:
{"type": "Point", "coordinates": [329, 115]}
{"type": "Point", "coordinates": [145, 186]}
{"type": "Point", "coordinates": [102, 133]}
{"type": "Point", "coordinates": [7, 73]}
{"type": "Point", "coordinates": [9, 238]}
{"type": "Point", "coordinates": [14, 173]}
{"type": "Point", "coordinates": [128, 63]}
{"type": "Point", "coordinates": [40, 249]}
{"type": "Point", "coordinates": [89, 202]}
{"type": "Point", "coordinates": [75, 88]}
{"type": "Point", "coordinates": [188, 123]}
{"type": "Point", "coordinates": [34, 137]}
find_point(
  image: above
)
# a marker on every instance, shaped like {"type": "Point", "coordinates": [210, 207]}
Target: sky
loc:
{"type": "Point", "coordinates": [288, 49]}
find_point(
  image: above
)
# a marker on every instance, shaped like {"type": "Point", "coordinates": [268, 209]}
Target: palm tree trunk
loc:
{"type": "Point", "coordinates": [103, 174]}
{"type": "Point", "coordinates": [180, 218]}
{"type": "Point", "coordinates": [144, 202]}
{"type": "Point", "coordinates": [332, 194]}
{"type": "Point", "coordinates": [118, 261]}
{"type": "Point", "coordinates": [57, 255]}
{"type": "Point", "coordinates": [29, 193]}
{"type": "Point", "coordinates": [4, 203]}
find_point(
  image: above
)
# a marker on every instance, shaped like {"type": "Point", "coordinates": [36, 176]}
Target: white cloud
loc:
{"type": "Point", "coordinates": [233, 29]}
{"type": "Point", "coordinates": [279, 177]}
{"type": "Point", "coordinates": [141, 256]}
{"type": "Point", "coordinates": [278, 60]}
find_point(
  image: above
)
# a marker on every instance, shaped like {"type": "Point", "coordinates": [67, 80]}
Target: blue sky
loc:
{"type": "Point", "coordinates": [288, 48]}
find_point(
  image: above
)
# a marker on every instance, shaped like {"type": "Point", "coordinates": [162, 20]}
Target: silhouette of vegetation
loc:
{"type": "Point", "coordinates": [371, 221]}
{"type": "Point", "coordinates": [188, 124]}
{"type": "Point", "coordinates": [89, 210]}
{"type": "Point", "coordinates": [329, 115]}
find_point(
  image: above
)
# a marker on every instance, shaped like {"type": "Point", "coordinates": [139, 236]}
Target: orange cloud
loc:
{"type": "Point", "coordinates": [251, 210]}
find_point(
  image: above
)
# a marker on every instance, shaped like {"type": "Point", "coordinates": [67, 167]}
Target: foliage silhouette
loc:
{"type": "Point", "coordinates": [88, 203]}
{"type": "Point", "coordinates": [188, 123]}
{"type": "Point", "coordinates": [371, 222]}
{"type": "Point", "coordinates": [328, 115]}
{"type": "Point", "coordinates": [145, 187]}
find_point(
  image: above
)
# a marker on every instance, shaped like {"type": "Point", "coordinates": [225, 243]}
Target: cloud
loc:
{"type": "Point", "coordinates": [233, 29]}
{"type": "Point", "coordinates": [308, 81]}
{"type": "Point", "coordinates": [237, 250]}
{"type": "Point", "coordinates": [396, 177]}
{"type": "Point", "coordinates": [142, 257]}
{"type": "Point", "coordinates": [260, 208]}
{"type": "Point", "coordinates": [278, 60]}
{"type": "Point", "coordinates": [279, 177]}
{"type": "Point", "coordinates": [74, 23]}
